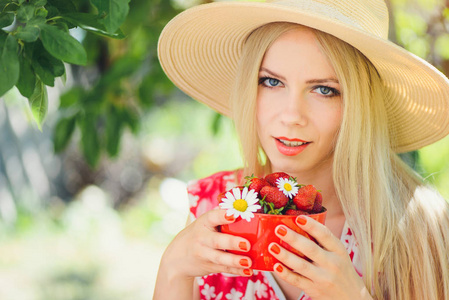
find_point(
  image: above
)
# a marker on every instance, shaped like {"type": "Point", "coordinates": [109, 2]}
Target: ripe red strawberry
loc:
{"type": "Point", "coordinates": [318, 205]}
{"type": "Point", "coordinates": [305, 199]}
{"type": "Point", "coordinates": [257, 184]}
{"type": "Point", "coordinates": [295, 212]}
{"type": "Point", "coordinates": [274, 195]}
{"type": "Point", "coordinates": [273, 177]}
{"type": "Point", "coordinates": [221, 196]}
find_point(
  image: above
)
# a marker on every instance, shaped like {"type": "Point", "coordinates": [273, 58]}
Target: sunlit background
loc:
{"type": "Point", "coordinates": [89, 222]}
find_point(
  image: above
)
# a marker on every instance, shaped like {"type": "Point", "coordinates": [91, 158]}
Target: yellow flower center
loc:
{"type": "Point", "coordinates": [240, 205]}
{"type": "Point", "coordinates": [287, 187]}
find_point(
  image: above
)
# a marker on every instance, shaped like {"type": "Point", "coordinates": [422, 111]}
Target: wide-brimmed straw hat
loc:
{"type": "Point", "coordinates": [199, 51]}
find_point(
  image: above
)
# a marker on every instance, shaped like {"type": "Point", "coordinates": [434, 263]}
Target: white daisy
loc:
{"type": "Point", "coordinates": [288, 187]}
{"type": "Point", "coordinates": [240, 203]}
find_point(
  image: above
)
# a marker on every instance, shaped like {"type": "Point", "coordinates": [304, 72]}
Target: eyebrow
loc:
{"type": "Point", "coordinates": [331, 79]}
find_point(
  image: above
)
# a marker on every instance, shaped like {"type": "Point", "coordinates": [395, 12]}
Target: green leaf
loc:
{"type": "Point", "coordinates": [39, 103]}
{"type": "Point", "coordinates": [45, 65]}
{"type": "Point", "coordinates": [3, 3]}
{"type": "Point", "coordinates": [9, 64]}
{"type": "Point", "coordinates": [130, 118]}
{"type": "Point", "coordinates": [91, 23]}
{"type": "Point", "coordinates": [113, 133]}
{"type": "Point", "coordinates": [71, 97]}
{"type": "Point", "coordinates": [11, 6]}
{"type": "Point", "coordinates": [63, 132]}
{"type": "Point", "coordinates": [6, 19]}
{"type": "Point", "coordinates": [64, 6]}
{"type": "Point", "coordinates": [28, 33]}
{"type": "Point", "coordinates": [216, 123]}
{"type": "Point", "coordinates": [62, 45]}
{"type": "Point", "coordinates": [114, 12]}
{"type": "Point", "coordinates": [27, 79]}
{"type": "Point", "coordinates": [37, 21]}
{"type": "Point", "coordinates": [38, 3]}
{"type": "Point", "coordinates": [41, 12]}
{"type": "Point", "coordinates": [25, 12]}
{"type": "Point", "coordinates": [90, 144]}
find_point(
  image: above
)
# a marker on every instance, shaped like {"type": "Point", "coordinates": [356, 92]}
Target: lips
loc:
{"type": "Point", "coordinates": [290, 147]}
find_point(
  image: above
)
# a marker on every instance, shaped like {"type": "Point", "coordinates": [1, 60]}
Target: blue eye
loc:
{"type": "Point", "coordinates": [327, 91]}
{"type": "Point", "coordinates": [270, 82]}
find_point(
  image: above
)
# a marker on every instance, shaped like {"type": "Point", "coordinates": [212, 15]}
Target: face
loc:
{"type": "Point", "coordinates": [299, 106]}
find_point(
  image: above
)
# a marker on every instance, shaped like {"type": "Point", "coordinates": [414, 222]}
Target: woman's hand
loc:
{"type": "Point", "coordinates": [330, 273]}
{"type": "Point", "coordinates": [198, 249]}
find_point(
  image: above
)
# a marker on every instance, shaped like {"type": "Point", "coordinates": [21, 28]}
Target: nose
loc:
{"type": "Point", "coordinates": [295, 110]}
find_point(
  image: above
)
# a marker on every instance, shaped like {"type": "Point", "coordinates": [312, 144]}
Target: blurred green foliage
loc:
{"type": "Point", "coordinates": [35, 41]}
{"type": "Point", "coordinates": [128, 82]}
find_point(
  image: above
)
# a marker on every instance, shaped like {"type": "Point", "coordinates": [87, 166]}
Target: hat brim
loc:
{"type": "Point", "coordinates": [199, 51]}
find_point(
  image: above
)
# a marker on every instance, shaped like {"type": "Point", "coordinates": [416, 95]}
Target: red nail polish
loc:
{"type": "Point", "coordinates": [279, 268]}
{"type": "Point", "coordinates": [275, 249]}
{"type": "Point", "coordinates": [242, 246]}
{"type": "Point", "coordinates": [230, 218]}
{"type": "Point", "coordinates": [247, 272]}
{"type": "Point", "coordinates": [282, 231]}
{"type": "Point", "coordinates": [244, 262]}
{"type": "Point", "coordinates": [301, 220]}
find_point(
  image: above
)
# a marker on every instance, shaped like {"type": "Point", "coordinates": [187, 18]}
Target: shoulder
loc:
{"type": "Point", "coordinates": [203, 192]}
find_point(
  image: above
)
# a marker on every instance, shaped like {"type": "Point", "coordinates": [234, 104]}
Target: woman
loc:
{"type": "Point", "coordinates": [330, 101]}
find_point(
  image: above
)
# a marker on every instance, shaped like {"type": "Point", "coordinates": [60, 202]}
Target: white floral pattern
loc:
{"type": "Point", "coordinates": [208, 292]}
{"type": "Point", "coordinates": [234, 295]}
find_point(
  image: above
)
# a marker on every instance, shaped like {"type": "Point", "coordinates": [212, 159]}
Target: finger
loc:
{"type": "Point", "coordinates": [291, 277]}
{"type": "Point", "coordinates": [294, 262]}
{"type": "Point", "coordinates": [227, 259]}
{"type": "Point", "coordinates": [222, 241]}
{"type": "Point", "coordinates": [231, 270]}
{"type": "Point", "coordinates": [301, 243]}
{"type": "Point", "coordinates": [321, 233]}
{"type": "Point", "coordinates": [216, 217]}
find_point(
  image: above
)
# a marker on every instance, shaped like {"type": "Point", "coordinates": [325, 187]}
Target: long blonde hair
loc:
{"type": "Point", "coordinates": [401, 226]}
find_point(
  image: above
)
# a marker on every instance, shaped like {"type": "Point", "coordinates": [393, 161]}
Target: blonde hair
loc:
{"type": "Point", "coordinates": [401, 226]}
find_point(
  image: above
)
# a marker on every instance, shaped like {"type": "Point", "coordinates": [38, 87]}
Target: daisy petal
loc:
{"type": "Point", "coordinates": [236, 192]}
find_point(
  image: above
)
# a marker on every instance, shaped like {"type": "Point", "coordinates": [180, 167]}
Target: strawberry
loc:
{"type": "Point", "coordinates": [274, 195]}
{"type": "Point", "coordinates": [273, 177]}
{"type": "Point", "coordinates": [257, 184]}
{"type": "Point", "coordinates": [305, 199]}
{"type": "Point", "coordinates": [318, 205]}
{"type": "Point", "coordinates": [295, 212]}
{"type": "Point", "coordinates": [221, 196]}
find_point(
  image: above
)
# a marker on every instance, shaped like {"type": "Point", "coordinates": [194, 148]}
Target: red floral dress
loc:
{"type": "Point", "coordinates": [203, 195]}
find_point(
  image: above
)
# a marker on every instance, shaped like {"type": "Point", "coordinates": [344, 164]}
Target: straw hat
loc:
{"type": "Point", "coordinates": [199, 50]}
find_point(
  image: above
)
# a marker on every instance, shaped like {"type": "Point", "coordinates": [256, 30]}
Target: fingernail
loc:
{"type": "Point", "coordinates": [247, 272]}
{"type": "Point", "coordinates": [229, 218]}
{"type": "Point", "coordinates": [275, 249]}
{"type": "Point", "coordinates": [301, 220]}
{"type": "Point", "coordinates": [279, 268]}
{"type": "Point", "coordinates": [242, 246]}
{"type": "Point", "coordinates": [244, 262]}
{"type": "Point", "coordinates": [282, 231]}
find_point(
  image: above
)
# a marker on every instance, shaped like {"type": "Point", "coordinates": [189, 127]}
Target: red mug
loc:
{"type": "Point", "coordinates": [260, 233]}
